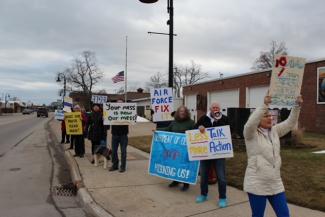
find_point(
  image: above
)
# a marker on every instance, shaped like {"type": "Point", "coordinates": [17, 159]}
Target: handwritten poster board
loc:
{"type": "Point", "coordinates": [73, 123]}
{"type": "Point", "coordinates": [98, 99]}
{"type": "Point", "coordinates": [169, 158]}
{"type": "Point", "coordinates": [321, 85]}
{"type": "Point", "coordinates": [59, 115]}
{"type": "Point", "coordinates": [119, 113]}
{"type": "Point", "coordinates": [162, 104]}
{"type": "Point", "coordinates": [286, 80]}
{"type": "Point", "coordinates": [213, 144]}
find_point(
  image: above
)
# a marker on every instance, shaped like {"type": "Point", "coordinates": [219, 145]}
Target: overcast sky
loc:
{"type": "Point", "coordinates": [41, 37]}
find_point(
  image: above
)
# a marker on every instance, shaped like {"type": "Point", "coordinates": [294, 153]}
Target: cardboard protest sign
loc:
{"type": "Point", "coordinates": [169, 158]}
{"type": "Point", "coordinates": [162, 104]}
{"type": "Point", "coordinates": [119, 113]}
{"type": "Point", "coordinates": [59, 115]}
{"type": "Point", "coordinates": [98, 99]}
{"type": "Point", "coordinates": [286, 80]}
{"type": "Point", "coordinates": [73, 123]}
{"type": "Point", "coordinates": [214, 143]}
{"type": "Point", "coordinates": [67, 104]}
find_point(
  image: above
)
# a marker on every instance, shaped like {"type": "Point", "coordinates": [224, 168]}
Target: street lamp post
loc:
{"type": "Point", "coordinates": [170, 22]}
{"type": "Point", "coordinates": [60, 77]}
{"type": "Point", "coordinates": [7, 97]}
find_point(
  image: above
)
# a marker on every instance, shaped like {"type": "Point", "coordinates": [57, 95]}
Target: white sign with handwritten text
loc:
{"type": "Point", "coordinates": [286, 80]}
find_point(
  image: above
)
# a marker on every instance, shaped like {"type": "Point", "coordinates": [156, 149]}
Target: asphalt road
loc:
{"type": "Point", "coordinates": [13, 128]}
{"type": "Point", "coordinates": [31, 164]}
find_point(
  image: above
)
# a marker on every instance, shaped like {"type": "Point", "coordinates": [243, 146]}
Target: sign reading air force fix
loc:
{"type": "Point", "coordinates": [162, 104]}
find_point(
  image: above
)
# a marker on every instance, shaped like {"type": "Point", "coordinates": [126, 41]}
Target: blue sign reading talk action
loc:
{"type": "Point", "coordinates": [169, 158]}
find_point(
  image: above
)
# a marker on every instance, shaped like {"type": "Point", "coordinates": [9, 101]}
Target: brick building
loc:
{"type": "Point", "coordinates": [247, 91]}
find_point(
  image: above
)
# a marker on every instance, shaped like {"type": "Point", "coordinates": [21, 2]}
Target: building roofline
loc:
{"type": "Point", "coordinates": [230, 77]}
{"type": "Point", "coordinates": [140, 99]}
{"type": "Point", "coordinates": [250, 73]}
{"type": "Point", "coordinates": [316, 60]}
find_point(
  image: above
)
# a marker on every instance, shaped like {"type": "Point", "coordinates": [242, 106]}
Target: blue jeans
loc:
{"type": "Point", "coordinates": [278, 203]}
{"type": "Point", "coordinates": [205, 165]}
{"type": "Point", "coordinates": [117, 140]}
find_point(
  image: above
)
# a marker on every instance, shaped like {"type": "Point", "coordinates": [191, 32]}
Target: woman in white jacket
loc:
{"type": "Point", "coordinates": [262, 178]}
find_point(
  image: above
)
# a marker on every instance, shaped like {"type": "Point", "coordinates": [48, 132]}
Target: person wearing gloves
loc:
{"type": "Point", "coordinates": [214, 118]}
{"type": "Point", "coordinates": [262, 179]}
{"type": "Point", "coordinates": [181, 123]}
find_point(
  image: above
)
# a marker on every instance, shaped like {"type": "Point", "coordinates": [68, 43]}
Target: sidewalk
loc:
{"type": "Point", "coordinates": [136, 194]}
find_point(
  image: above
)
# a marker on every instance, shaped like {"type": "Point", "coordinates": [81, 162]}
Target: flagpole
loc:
{"type": "Point", "coordinates": [126, 68]}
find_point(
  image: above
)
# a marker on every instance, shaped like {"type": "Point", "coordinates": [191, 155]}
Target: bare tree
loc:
{"type": "Point", "coordinates": [183, 76]}
{"type": "Point", "coordinates": [157, 80]}
{"type": "Point", "coordinates": [266, 58]}
{"type": "Point", "coordinates": [187, 75]}
{"type": "Point", "coordinates": [84, 73]}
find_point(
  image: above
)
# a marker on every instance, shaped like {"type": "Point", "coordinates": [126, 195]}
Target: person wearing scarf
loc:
{"type": "Point", "coordinates": [214, 118]}
{"type": "Point", "coordinates": [262, 179]}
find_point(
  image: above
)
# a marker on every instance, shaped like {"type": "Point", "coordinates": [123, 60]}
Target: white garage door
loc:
{"type": "Point", "coordinates": [226, 98]}
{"type": "Point", "coordinates": [255, 96]}
{"type": "Point", "coordinates": [190, 103]}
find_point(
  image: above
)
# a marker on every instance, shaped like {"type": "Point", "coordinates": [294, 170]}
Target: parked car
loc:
{"type": "Point", "coordinates": [27, 111]}
{"type": "Point", "coordinates": [42, 112]}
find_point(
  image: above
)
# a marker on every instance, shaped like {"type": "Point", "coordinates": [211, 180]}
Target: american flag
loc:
{"type": "Point", "coordinates": [119, 77]}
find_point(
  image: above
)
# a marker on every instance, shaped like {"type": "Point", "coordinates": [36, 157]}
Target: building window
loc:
{"type": "Point", "coordinates": [321, 85]}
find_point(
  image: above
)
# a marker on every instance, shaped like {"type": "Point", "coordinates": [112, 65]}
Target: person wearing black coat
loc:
{"type": "Point", "coordinates": [97, 132]}
{"type": "Point", "coordinates": [119, 138]}
{"type": "Point", "coordinates": [214, 118]}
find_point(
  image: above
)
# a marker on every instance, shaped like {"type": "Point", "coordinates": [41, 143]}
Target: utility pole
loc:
{"type": "Point", "coordinates": [170, 9]}
{"type": "Point", "coordinates": [170, 22]}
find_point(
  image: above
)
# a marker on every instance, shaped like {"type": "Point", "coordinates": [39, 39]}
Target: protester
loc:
{"type": "Point", "coordinates": [181, 123]}
{"type": "Point", "coordinates": [119, 138]}
{"type": "Point", "coordinates": [97, 132]}
{"type": "Point", "coordinates": [65, 138]}
{"type": "Point", "coordinates": [85, 118]}
{"type": "Point", "coordinates": [71, 141]}
{"type": "Point", "coordinates": [262, 178]}
{"type": "Point", "coordinates": [79, 140]}
{"type": "Point", "coordinates": [214, 118]}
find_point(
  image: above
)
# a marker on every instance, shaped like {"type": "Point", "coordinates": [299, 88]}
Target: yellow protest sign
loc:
{"type": "Point", "coordinates": [73, 123]}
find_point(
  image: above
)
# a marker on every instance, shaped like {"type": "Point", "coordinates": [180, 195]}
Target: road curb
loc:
{"type": "Point", "coordinates": [90, 205]}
